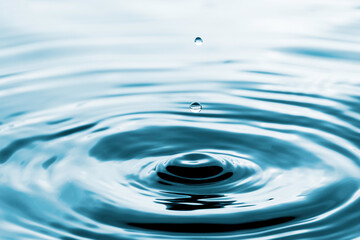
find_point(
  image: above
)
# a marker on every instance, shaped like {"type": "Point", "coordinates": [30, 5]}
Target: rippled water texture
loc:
{"type": "Point", "coordinates": [116, 123]}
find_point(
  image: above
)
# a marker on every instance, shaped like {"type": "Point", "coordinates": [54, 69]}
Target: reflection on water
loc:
{"type": "Point", "coordinates": [116, 124]}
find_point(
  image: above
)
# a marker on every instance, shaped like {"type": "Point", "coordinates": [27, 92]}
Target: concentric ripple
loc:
{"type": "Point", "coordinates": [193, 169]}
{"type": "Point", "coordinates": [102, 134]}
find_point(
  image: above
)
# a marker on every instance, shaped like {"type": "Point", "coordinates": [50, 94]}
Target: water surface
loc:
{"type": "Point", "coordinates": [99, 140]}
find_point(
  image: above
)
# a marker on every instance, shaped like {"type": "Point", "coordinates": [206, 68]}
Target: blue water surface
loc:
{"type": "Point", "coordinates": [97, 140]}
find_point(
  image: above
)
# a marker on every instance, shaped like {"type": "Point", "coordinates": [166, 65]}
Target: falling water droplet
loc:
{"type": "Point", "coordinates": [198, 41]}
{"type": "Point", "coordinates": [195, 107]}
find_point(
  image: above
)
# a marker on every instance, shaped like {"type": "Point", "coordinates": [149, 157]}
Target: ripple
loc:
{"type": "Point", "coordinates": [97, 140]}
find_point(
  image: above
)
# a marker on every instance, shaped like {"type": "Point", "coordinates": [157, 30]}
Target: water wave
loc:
{"type": "Point", "coordinates": [97, 140]}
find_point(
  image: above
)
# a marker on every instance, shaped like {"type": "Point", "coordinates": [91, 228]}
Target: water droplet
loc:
{"type": "Point", "coordinates": [195, 107]}
{"type": "Point", "coordinates": [198, 41]}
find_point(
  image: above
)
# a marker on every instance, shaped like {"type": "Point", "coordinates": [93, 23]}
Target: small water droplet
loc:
{"type": "Point", "coordinates": [195, 107]}
{"type": "Point", "coordinates": [198, 41]}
